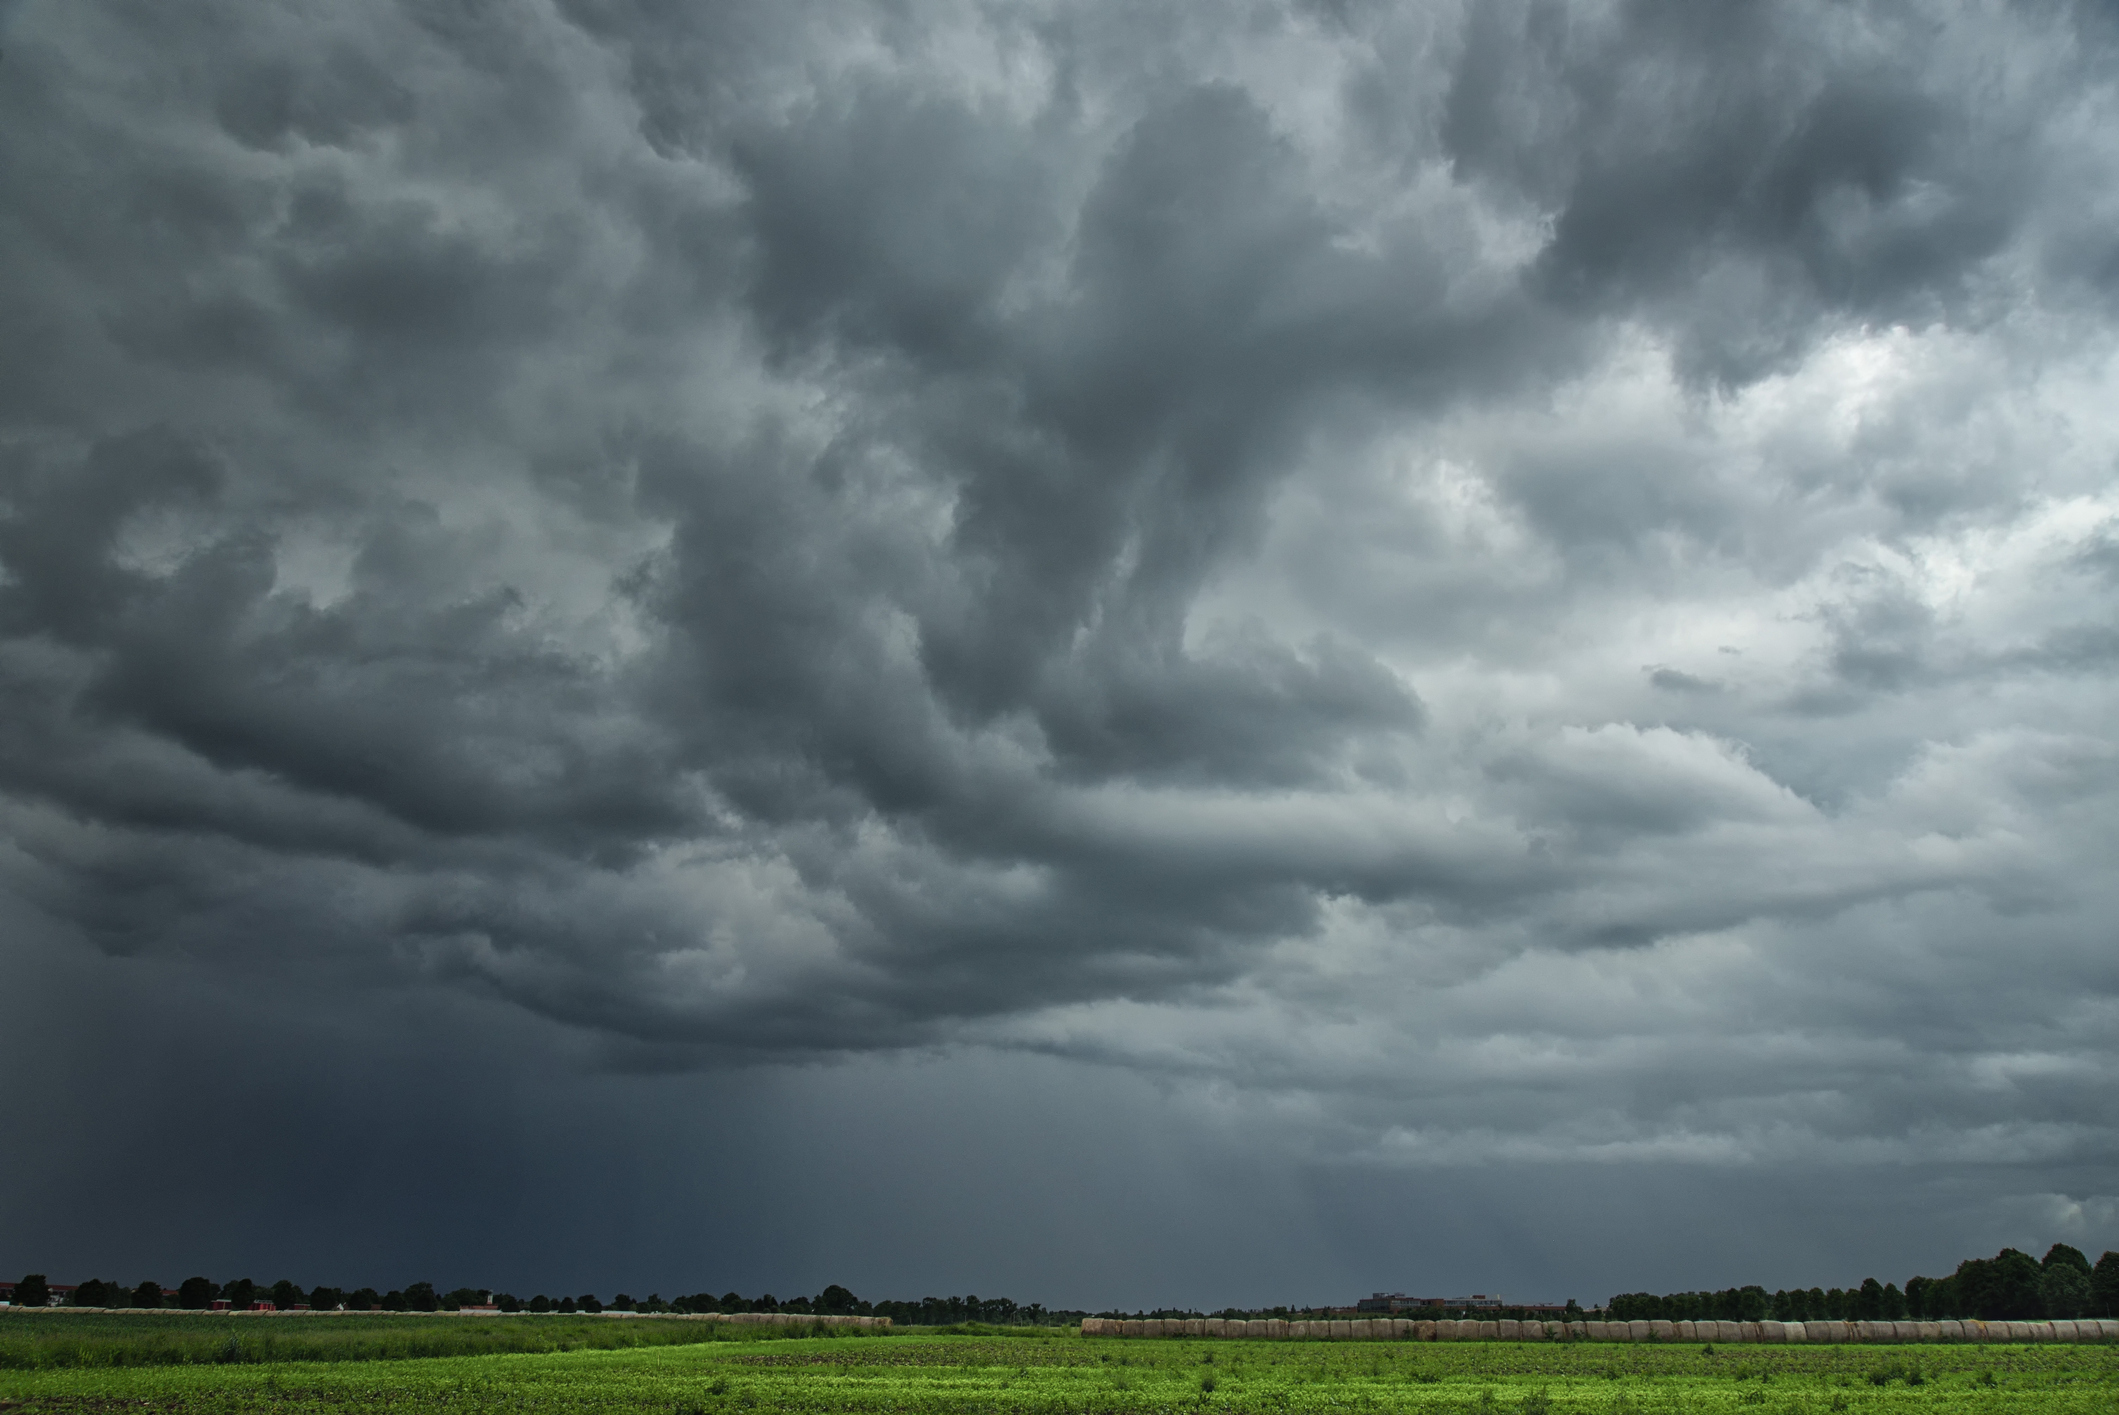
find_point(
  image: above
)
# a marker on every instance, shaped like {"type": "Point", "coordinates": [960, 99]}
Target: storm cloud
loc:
{"type": "Point", "coordinates": [1344, 602]}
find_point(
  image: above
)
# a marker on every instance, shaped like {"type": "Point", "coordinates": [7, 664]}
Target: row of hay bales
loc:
{"type": "Point", "coordinates": [1410, 1329]}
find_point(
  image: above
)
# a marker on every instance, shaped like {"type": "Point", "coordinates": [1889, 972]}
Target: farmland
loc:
{"type": "Point", "coordinates": [60, 1339]}
{"type": "Point", "coordinates": [1057, 1371]}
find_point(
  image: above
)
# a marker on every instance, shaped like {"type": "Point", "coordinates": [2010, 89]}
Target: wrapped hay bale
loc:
{"type": "Point", "coordinates": [1489, 1331]}
{"type": "Point", "coordinates": [1661, 1330]}
{"type": "Point", "coordinates": [1507, 1329]}
{"type": "Point", "coordinates": [1772, 1332]}
{"type": "Point", "coordinates": [1424, 1330]}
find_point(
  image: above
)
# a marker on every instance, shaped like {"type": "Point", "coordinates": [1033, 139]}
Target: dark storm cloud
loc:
{"type": "Point", "coordinates": [1263, 549]}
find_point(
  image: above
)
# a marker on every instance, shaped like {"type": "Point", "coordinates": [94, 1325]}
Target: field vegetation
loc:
{"type": "Point", "coordinates": [35, 1341]}
{"type": "Point", "coordinates": [1053, 1372]}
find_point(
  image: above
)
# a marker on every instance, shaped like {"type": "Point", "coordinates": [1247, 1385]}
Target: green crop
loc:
{"type": "Point", "coordinates": [1055, 1374]}
{"type": "Point", "coordinates": [32, 1341]}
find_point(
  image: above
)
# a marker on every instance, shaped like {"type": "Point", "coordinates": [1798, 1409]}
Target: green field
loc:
{"type": "Point", "coordinates": [1033, 1372]}
{"type": "Point", "coordinates": [34, 1341]}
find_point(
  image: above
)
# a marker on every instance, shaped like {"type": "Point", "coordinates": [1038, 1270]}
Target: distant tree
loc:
{"type": "Point", "coordinates": [2062, 1253]}
{"type": "Point", "coordinates": [365, 1299]}
{"type": "Point", "coordinates": [623, 1302]}
{"type": "Point", "coordinates": [326, 1299]}
{"type": "Point", "coordinates": [464, 1297]}
{"type": "Point", "coordinates": [1917, 1297]}
{"type": "Point", "coordinates": [1574, 1312]}
{"type": "Point", "coordinates": [285, 1295]}
{"type": "Point", "coordinates": [507, 1301]}
{"type": "Point", "coordinates": [421, 1297]}
{"type": "Point", "coordinates": [94, 1293]}
{"type": "Point", "coordinates": [2001, 1288]}
{"type": "Point", "coordinates": [240, 1293]}
{"type": "Point", "coordinates": [147, 1294]}
{"type": "Point", "coordinates": [195, 1294]}
{"type": "Point", "coordinates": [1894, 1303]}
{"type": "Point", "coordinates": [540, 1303]}
{"type": "Point", "coordinates": [2104, 1285]}
{"type": "Point", "coordinates": [836, 1301]}
{"type": "Point", "coordinates": [587, 1302]}
{"type": "Point", "coordinates": [1869, 1302]}
{"type": "Point", "coordinates": [733, 1302]}
{"type": "Point", "coordinates": [765, 1303]}
{"type": "Point", "coordinates": [568, 1305]}
{"type": "Point", "coordinates": [33, 1291]}
{"type": "Point", "coordinates": [2064, 1291]}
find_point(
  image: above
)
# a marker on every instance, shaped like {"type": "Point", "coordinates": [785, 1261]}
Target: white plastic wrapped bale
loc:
{"type": "Point", "coordinates": [1365, 1328]}
{"type": "Point", "coordinates": [1772, 1332]}
{"type": "Point", "coordinates": [1662, 1330]}
{"type": "Point", "coordinates": [1505, 1329]}
{"type": "Point", "coordinates": [1278, 1328]}
{"type": "Point", "coordinates": [1533, 1331]}
{"type": "Point", "coordinates": [1489, 1331]}
{"type": "Point", "coordinates": [1424, 1330]}
{"type": "Point", "coordinates": [1091, 1326]}
{"type": "Point", "coordinates": [1594, 1330]}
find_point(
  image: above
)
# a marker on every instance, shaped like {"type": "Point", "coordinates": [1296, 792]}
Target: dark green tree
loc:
{"type": "Point", "coordinates": [1869, 1302]}
{"type": "Point", "coordinates": [540, 1303]}
{"type": "Point", "coordinates": [147, 1294]}
{"type": "Point", "coordinates": [196, 1294]}
{"type": "Point", "coordinates": [365, 1299]}
{"type": "Point", "coordinates": [1894, 1303]}
{"type": "Point", "coordinates": [2064, 1291]}
{"type": "Point", "coordinates": [325, 1299]}
{"type": "Point", "coordinates": [421, 1297]}
{"type": "Point", "coordinates": [33, 1291]}
{"type": "Point", "coordinates": [2104, 1285]}
{"type": "Point", "coordinates": [286, 1296]}
{"type": "Point", "coordinates": [94, 1293]}
{"type": "Point", "coordinates": [507, 1301]}
{"type": "Point", "coordinates": [2062, 1253]}
{"type": "Point", "coordinates": [464, 1297]}
{"type": "Point", "coordinates": [588, 1302]}
{"type": "Point", "coordinates": [836, 1301]}
{"type": "Point", "coordinates": [568, 1305]}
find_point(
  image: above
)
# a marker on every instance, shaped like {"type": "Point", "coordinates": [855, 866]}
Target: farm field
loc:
{"type": "Point", "coordinates": [59, 1339]}
{"type": "Point", "coordinates": [1057, 1372]}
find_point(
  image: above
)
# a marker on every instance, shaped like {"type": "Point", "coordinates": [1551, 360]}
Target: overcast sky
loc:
{"type": "Point", "coordinates": [1111, 653]}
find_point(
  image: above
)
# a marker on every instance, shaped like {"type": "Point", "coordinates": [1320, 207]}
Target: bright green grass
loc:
{"type": "Point", "coordinates": [43, 1340]}
{"type": "Point", "coordinates": [1063, 1374]}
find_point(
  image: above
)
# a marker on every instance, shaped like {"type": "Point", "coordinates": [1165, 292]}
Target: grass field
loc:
{"type": "Point", "coordinates": [32, 1341]}
{"type": "Point", "coordinates": [1060, 1373]}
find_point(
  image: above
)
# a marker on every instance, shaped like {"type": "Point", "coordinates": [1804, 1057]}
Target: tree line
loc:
{"type": "Point", "coordinates": [199, 1293]}
{"type": "Point", "coordinates": [2010, 1286]}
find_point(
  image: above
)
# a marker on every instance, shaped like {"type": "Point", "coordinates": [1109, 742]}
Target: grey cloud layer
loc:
{"type": "Point", "coordinates": [1554, 553]}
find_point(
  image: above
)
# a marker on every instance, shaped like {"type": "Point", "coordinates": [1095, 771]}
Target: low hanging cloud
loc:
{"type": "Point", "coordinates": [1486, 585]}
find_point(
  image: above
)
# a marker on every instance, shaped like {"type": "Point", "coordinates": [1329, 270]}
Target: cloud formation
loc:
{"type": "Point", "coordinates": [1491, 586]}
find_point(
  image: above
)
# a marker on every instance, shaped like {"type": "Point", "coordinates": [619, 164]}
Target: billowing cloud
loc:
{"type": "Point", "coordinates": [1519, 587]}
